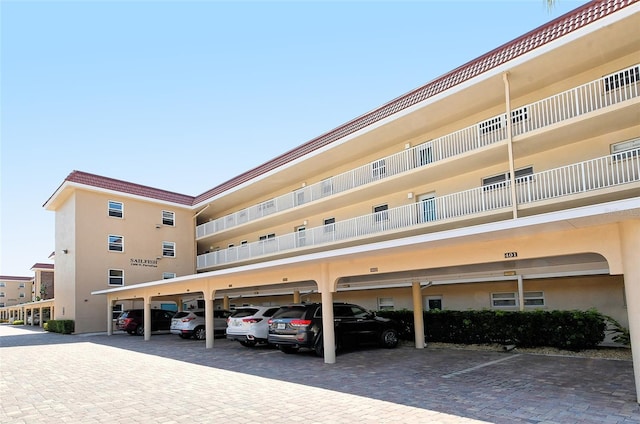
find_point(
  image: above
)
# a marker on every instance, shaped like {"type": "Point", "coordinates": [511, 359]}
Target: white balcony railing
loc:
{"type": "Point", "coordinates": [601, 93]}
{"type": "Point", "coordinates": [605, 172]}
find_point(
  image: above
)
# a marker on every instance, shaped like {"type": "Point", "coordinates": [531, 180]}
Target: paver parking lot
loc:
{"type": "Point", "coordinates": [53, 378]}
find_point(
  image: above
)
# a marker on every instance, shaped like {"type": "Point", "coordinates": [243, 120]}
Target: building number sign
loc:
{"type": "Point", "coordinates": [508, 255]}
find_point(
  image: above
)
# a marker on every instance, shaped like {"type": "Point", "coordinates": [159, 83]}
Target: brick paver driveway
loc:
{"type": "Point", "coordinates": [53, 378]}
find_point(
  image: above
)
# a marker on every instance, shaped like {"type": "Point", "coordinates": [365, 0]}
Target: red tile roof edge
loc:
{"type": "Point", "coordinates": [42, 266]}
{"type": "Point", "coordinates": [130, 188]}
{"type": "Point", "coordinates": [538, 37]}
{"type": "Point", "coordinates": [14, 278]}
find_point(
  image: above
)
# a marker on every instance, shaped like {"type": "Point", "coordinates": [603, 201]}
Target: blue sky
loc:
{"type": "Point", "coordinates": [184, 95]}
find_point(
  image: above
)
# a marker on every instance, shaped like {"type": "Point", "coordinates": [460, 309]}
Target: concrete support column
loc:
{"type": "Point", "coordinates": [520, 293]}
{"type": "Point", "coordinates": [40, 317]}
{"type": "Point", "coordinates": [325, 286]}
{"type": "Point", "coordinates": [225, 302]}
{"type": "Point", "coordinates": [146, 318]}
{"type": "Point", "coordinates": [296, 296]}
{"type": "Point", "coordinates": [109, 316]}
{"type": "Point", "coordinates": [630, 244]}
{"type": "Point", "coordinates": [418, 316]}
{"type": "Point", "coordinates": [208, 318]}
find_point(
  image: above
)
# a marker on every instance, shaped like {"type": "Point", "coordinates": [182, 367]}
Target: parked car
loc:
{"type": "Point", "coordinates": [250, 324]}
{"type": "Point", "coordinates": [300, 326]}
{"type": "Point", "coordinates": [131, 321]}
{"type": "Point", "coordinates": [34, 318]}
{"type": "Point", "coordinates": [189, 324]}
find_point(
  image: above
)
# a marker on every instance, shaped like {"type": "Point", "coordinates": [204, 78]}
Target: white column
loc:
{"type": "Point", "coordinates": [630, 243]}
{"type": "Point", "coordinates": [521, 293]}
{"type": "Point", "coordinates": [208, 318]}
{"type": "Point", "coordinates": [418, 316]}
{"type": "Point", "coordinates": [328, 331]}
{"type": "Point", "coordinates": [146, 318]}
{"type": "Point", "coordinates": [109, 316]}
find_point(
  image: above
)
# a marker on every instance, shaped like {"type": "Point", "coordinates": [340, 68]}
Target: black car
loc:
{"type": "Point", "coordinates": [131, 320]}
{"type": "Point", "coordinates": [300, 326]}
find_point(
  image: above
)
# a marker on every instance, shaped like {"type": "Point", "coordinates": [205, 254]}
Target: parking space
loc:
{"type": "Point", "coordinates": [97, 378]}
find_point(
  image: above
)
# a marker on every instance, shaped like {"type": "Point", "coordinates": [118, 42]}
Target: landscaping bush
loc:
{"type": "Point", "coordinates": [571, 330]}
{"type": "Point", "coordinates": [18, 322]}
{"type": "Point", "coordinates": [64, 326]}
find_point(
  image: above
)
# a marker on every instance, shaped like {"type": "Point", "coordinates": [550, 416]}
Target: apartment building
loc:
{"type": "Point", "coordinates": [511, 182]}
{"type": "Point", "coordinates": [14, 290]}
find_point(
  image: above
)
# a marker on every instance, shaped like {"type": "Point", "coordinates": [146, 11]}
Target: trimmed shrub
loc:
{"type": "Point", "coordinates": [570, 330]}
{"type": "Point", "coordinates": [64, 326]}
{"type": "Point", "coordinates": [18, 322]}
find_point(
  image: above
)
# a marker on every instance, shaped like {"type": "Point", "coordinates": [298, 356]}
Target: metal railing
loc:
{"type": "Point", "coordinates": [608, 171]}
{"type": "Point", "coordinates": [595, 95]}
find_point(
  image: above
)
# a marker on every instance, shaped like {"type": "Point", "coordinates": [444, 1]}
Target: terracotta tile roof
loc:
{"type": "Point", "coordinates": [13, 278]}
{"type": "Point", "coordinates": [553, 30]}
{"type": "Point", "coordinates": [39, 265]}
{"type": "Point", "coordinates": [129, 188]}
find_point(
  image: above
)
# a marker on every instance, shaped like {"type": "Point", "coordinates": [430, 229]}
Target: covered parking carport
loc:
{"type": "Point", "coordinates": [588, 239]}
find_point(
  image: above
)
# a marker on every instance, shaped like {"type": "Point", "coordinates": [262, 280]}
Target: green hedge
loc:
{"type": "Point", "coordinates": [571, 330]}
{"type": "Point", "coordinates": [64, 326]}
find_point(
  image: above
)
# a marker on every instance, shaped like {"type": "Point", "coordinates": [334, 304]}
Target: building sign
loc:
{"type": "Point", "coordinates": [151, 263]}
{"type": "Point", "coordinates": [511, 255]}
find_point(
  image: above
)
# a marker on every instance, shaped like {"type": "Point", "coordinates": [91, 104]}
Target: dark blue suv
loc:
{"type": "Point", "coordinates": [300, 326]}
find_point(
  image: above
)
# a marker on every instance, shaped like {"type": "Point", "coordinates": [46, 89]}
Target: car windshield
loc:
{"type": "Point", "coordinates": [181, 314]}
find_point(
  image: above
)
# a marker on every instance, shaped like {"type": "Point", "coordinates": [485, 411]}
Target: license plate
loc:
{"type": "Point", "coordinates": [281, 326]}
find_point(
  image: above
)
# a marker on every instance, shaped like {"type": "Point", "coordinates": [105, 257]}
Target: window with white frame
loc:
{"type": "Point", "coordinates": [326, 187]}
{"type": "Point", "coordinates": [21, 285]}
{"type": "Point", "coordinates": [380, 213]}
{"type": "Point", "coordinates": [21, 295]}
{"type": "Point", "coordinates": [622, 78]}
{"type": "Point", "coordinates": [168, 275]}
{"type": "Point", "coordinates": [116, 209]}
{"type": "Point", "coordinates": [267, 207]}
{"type": "Point", "coordinates": [329, 225]}
{"type": "Point", "coordinates": [501, 180]}
{"type": "Point", "coordinates": [268, 237]}
{"type": "Point", "coordinates": [3, 284]}
{"type": "Point", "coordinates": [168, 249]}
{"type": "Point", "coordinates": [2, 294]}
{"type": "Point", "coordinates": [626, 149]}
{"type": "Point", "coordinates": [116, 243]}
{"type": "Point", "coordinates": [168, 218]}
{"type": "Point", "coordinates": [510, 299]}
{"type": "Point", "coordinates": [424, 154]}
{"type": "Point", "coordinates": [379, 169]}
{"type": "Point", "coordinates": [1, 304]}
{"type": "Point", "coordinates": [116, 277]}
{"type": "Point", "coordinates": [385, 304]}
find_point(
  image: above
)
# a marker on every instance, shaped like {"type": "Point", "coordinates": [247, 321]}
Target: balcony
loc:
{"type": "Point", "coordinates": [588, 178]}
{"type": "Point", "coordinates": [596, 95]}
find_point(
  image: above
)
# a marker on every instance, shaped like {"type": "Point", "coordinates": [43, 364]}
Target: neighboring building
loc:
{"type": "Point", "coordinates": [511, 183]}
{"type": "Point", "coordinates": [43, 282]}
{"type": "Point", "coordinates": [13, 291]}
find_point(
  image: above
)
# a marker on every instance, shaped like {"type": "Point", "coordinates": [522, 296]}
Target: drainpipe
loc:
{"type": "Point", "coordinates": [512, 175]}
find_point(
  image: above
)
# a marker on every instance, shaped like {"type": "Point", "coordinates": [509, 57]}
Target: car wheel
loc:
{"type": "Point", "coordinates": [288, 349]}
{"type": "Point", "coordinates": [131, 332]}
{"type": "Point", "coordinates": [248, 343]}
{"type": "Point", "coordinates": [185, 336]}
{"type": "Point", "coordinates": [389, 338]}
{"type": "Point", "coordinates": [140, 330]}
{"type": "Point", "coordinates": [200, 333]}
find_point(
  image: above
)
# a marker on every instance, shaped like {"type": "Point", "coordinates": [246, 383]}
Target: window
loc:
{"type": "Point", "coordinates": [329, 225]}
{"type": "Point", "coordinates": [244, 243]}
{"type": "Point", "coordinates": [298, 197]}
{"type": "Point", "coordinates": [168, 218]}
{"type": "Point", "coordinates": [424, 154]}
{"type": "Point", "coordinates": [626, 149]}
{"type": "Point", "coordinates": [117, 310]}
{"type": "Point", "coordinates": [505, 300]}
{"type": "Point", "coordinates": [433, 303]}
{"type": "Point", "coordinates": [21, 295]}
{"type": "Point", "coordinates": [116, 209]}
{"type": "Point", "coordinates": [168, 249]}
{"type": "Point", "coordinates": [385, 304]}
{"type": "Point", "coordinates": [301, 236]}
{"type": "Point", "coordinates": [519, 115]}
{"type": "Point", "coordinates": [622, 78]}
{"type": "Point", "coordinates": [270, 237]}
{"type": "Point", "coordinates": [266, 207]}
{"type": "Point", "coordinates": [116, 243]}
{"type": "Point", "coordinates": [21, 285]}
{"type": "Point", "coordinates": [2, 284]}
{"type": "Point", "coordinates": [116, 277]}
{"type": "Point", "coordinates": [380, 213]}
{"type": "Point", "coordinates": [168, 275]}
{"type": "Point", "coordinates": [379, 169]}
{"type": "Point", "coordinates": [500, 180]}
{"type": "Point", "coordinates": [2, 294]}
{"type": "Point", "coordinates": [1, 304]}
{"type": "Point", "coordinates": [490, 125]}
{"type": "Point", "coordinates": [230, 245]}
{"type": "Point", "coordinates": [327, 187]}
